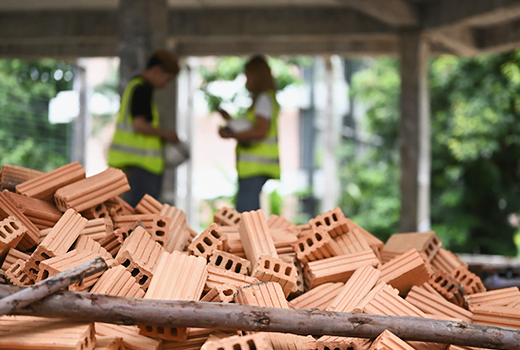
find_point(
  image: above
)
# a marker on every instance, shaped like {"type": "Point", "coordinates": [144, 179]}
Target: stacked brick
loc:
{"type": "Point", "coordinates": [241, 257]}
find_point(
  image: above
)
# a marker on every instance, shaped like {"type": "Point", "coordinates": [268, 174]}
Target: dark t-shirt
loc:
{"type": "Point", "coordinates": [142, 101]}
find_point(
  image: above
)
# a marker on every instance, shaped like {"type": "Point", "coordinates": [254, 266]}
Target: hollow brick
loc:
{"type": "Point", "coordinates": [11, 233]}
{"type": "Point", "coordinates": [426, 243]}
{"type": "Point", "coordinates": [178, 229]}
{"type": "Point", "coordinates": [220, 294]}
{"type": "Point", "coordinates": [405, 271]}
{"type": "Point", "coordinates": [319, 297]}
{"type": "Point", "coordinates": [389, 341]}
{"type": "Point", "coordinates": [227, 217]}
{"type": "Point", "coordinates": [139, 254]}
{"type": "Point", "coordinates": [256, 236]}
{"type": "Point", "coordinates": [499, 316]}
{"type": "Point", "coordinates": [57, 242]}
{"type": "Point", "coordinates": [85, 243]}
{"type": "Point", "coordinates": [304, 229]}
{"type": "Point", "coordinates": [437, 305]}
{"type": "Point", "coordinates": [230, 262]}
{"type": "Point", "coordinates": [9, 208]}
{"type": "Point", "coordinates": [98, 228]}
{"type": "Point", "coordinates": [471, 283]}
{"type": "Point", "coordinates": [12, 175]}
{"type": "Point", "coordinates": [41, 213]}
{"type": "Point", "coordinates": [337, 269]}
{"type": "Point", "coordinates": [96, 212]}
{"type": "Point", "coordinates": [279, 222]}
{"type": "Point", "coordinates": [169, 283]}
{"type": "Point", "coordinates": [117, 206]}
{"type": "Point", "coordinates": [316, 245]}
{"type": "Point", "coordinates": [219, 277]}
{"type": "Point", "coordinates": [270, 269]}
{"type": "Point", "coordinates": [148, 205]}
{"type": "Point", "coordinates": [45, 185]}
{"type": "Point", "coordinates": [93, 190]}
{"type": "Point", "coordinates": [118, 281]}
{"type": "Point", "coordinates": [358, 285]}
{"type": "Point", "coordinates": [109, 343]}
{"type": "Point", "coordinates": [372, 240]}
{"type": "Point", "coordinates": [61, 263]}
{"type": "Point", "coordinates": [352, 242]}
{"type": "Point", "coordinates": [34, 333]}
{"type": "Point", "coordinates": [256, 341]}
{"type": "Point", "coordinates": [16, 276]}
{"type": "Point", "coordinates": [12, 255]}
{"type": "Point", "coordinates": [333, 221]}
{"type": "Point", "coordinates": [156, 225]}
{"type": "Point", "coordinates": [234, 243]}
{"type": "Point", "coordinates": [208, 241]}
{"type": "Point", "coordinates": [448, 287]}
{"type": "Point", "coordinates": [446, 261]}
{"type": "Point", "coordinates": [499, 297]}
{"type": "Point", "coordinates": [372, 294]}
{"type": "Point", "coordinates": [130, 334]}
{"type": "Point", "coordinates": [111, 243]}
{"type": "Point", "coordinates": [342, 343]}
{"type": "Point", "coordinates": [299, 286]}
{"type": "Point", "coordinates": [283, 242]}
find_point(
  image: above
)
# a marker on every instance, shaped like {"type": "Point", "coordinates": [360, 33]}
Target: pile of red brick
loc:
{"type": "Point", "coordinates": [51, 222]}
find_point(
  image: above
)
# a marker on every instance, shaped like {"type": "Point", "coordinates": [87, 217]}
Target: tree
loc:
{"type": "Point", "coordinates": [27, 138]}
{"type": "Point", "coordinates": [475, 151]}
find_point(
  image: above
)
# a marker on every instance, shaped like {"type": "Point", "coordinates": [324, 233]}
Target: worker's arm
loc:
{"type": "Point", "coordinates": [259, 132]}
{"type": "Point", "coordinates": [141, 125]}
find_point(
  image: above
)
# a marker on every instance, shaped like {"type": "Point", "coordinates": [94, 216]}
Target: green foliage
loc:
{"type": "Point", "coordinates": [475, 123]}
{"type": "Point", "coordinates": [27, 138]}
{"type": "Point", "coordinates": [275, 202]}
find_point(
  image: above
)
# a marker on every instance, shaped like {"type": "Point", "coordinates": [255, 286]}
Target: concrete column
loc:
{"type": "Point", "coordinates": [414, 133]}
{"type": "Point", "coordinates": [142, 28]}
{"type": "Point", "coordinates": [81, 126]}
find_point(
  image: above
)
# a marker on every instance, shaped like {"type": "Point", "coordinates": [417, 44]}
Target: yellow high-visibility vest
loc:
{"type": "Point", "coordinates": [130, 148]}
{"type": "Point", "coordinates": [262, 157]}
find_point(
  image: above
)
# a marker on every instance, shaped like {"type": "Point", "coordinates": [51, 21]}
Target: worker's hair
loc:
{"type": "Point", "coordinates": [263, 78]}
{"type": "Point", "coordinates": [164, 59]}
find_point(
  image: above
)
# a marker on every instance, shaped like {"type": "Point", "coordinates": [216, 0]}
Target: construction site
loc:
{"type": "Point", "coordinates": [319, 265]}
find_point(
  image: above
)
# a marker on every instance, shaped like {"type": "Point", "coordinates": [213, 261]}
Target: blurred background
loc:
{"type": "Point", "coordinates": [339, 70]}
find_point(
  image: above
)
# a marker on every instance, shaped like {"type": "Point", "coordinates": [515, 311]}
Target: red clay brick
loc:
{"type": "Point", "coordinates": [207, 242]}
{"type": "Point", "coordinates": [499, 316]}
{"type": "Point", "coordinates": [333, 221]}
{"type": "Point", "coordinates": [96, 212]}
{"type": "Point", "coordinates": [220, 294]}
{"type": "Point", "coordinates": [389, 341]}
{"type": "Point", "coordinates": [178, 230]}
{"type": "Point", "coordinates": [111, 243]}
{"type": "Point", "coordinates": [9, 208]}
{"type": "Point", "coordinates": [11, 233]}
{"type": "Point", "coordinates": [446, 261]}
{"type": "Point", "coordinates": [109, 343]}
{"type": "Point", "coordinates": [94, 190]}
{"type": "Point", "coordinates": [98, 229]}
{"type": "Point", "coordinates": [426, 243]}
{"type": "Point", "coordinates": [436, 305]}
{"type": "Point", "coordinates": [45, 185]}
{"type": "Point", "coordinates": [220, 277]}
{"type": "Point", "coordinates": [130, 334]}
{"type": "Point", "coordinates": [278, 222]}
{"type": "Point", "coordinates": [253, 341]}
{"type": "Point", "coordinates": [470, 282]}
{"type": "Point", "coordinates": [256, 236]}
{"type": "Point", "coordinates": [276, 270]}
{"type": "Point", "coordinates": [499, 297]}
{"type": "Point", "coordinates": [448, 287]}
{"type": "Point", "coordinates": [118, 281]}
{"type": "Point", "coordinates": [117, 206]}
{"type": "Point", "coordinates": [342, 343]}
{"type": "Point", "coordinates": [156, 225]}
{"type": "Point", "coordinates": [316, 245]}
{"type": "Point", "coordinates": [319, 297]}
{"type": "Point", "coordinates": [148, 205]}
{"type": "Point", "coordinates": [230, 262]}
{"type": "Point", "coordinates": [227, 217]}
{"type": "Point", "coordinates": [12, 175]}
{"type": "Point", "coordinates": [41, 213]}
{"type": "Point", "coordinates": [12, 255]}
{"type": "Point", "coordinates": [85, 243]}
{"type": "Point", "coordinates": [57, 242]}
{"type": "Point", "coordinates": [16, 276]}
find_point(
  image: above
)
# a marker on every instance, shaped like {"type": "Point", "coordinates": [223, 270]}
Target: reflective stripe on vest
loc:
{"type": "Point", "coordinates": [261, 158]}
{"type": "Point", "coordinates": [129, 148]}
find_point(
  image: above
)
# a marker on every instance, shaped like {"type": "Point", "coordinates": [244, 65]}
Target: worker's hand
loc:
{"type": "Point", "coordinates": [224, 114]}
{"type": "Point", "coordinates": [225, 133]}
{"type": "Point", "coordinates": [169, 136]}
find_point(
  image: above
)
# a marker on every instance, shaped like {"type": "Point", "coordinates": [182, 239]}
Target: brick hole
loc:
{"type": "Point", "coordinates": [237, 347]}
{"type": "Point", "coordinates": [318, 223]}
{"type": "Point", "coordinates": [149, 329]}
{"type": "Point", "coordinates": [444, 283]}
{"type": "Point", "coordinates": [298, 283]}
{"type": "Point", "coordinates": [251, 345]}
{"type": "Point", "coordinates": [45, 256]}
{"type": "Point", "coordinates": [8, 229]}
{"type": "Point", "coordinates": [238, 267]}
{"type": "Point", "coordinates": [301, 246]}
{"type": "Point", "coordinates": [224, 212]}
{"type": "Point", "coordinates": [220, 349]}
{"type": "Point", "coordinates": [450, 288]}
{"type": "Point", "coordinates": [16, 267]}
{"type": "Point", "coordinates": [229, 264]}
{"type": "Point", "coordinates": [288, 271]}
{"type": "Point", "coordinates": [462, 278]}
{"type": "Point", "coordinates": [160, 242]}
{"type": "Point", "coordinates": [173, 332]}
{"type": "Point", "coordinates": [208, 241]}
{"type": "Point", "coordinates": [135, 272]}
{"type": "Point", "coordinates": [86, 342]}
{"type": "Point", "coordinates": [119, 348]}
{"type": "Point", "coordinates": [218, 261]}
{"type": "Point", "coordinates": [159, 233]}
{"type": "Point", "coordinates": [143, 280]}
{"type": "Point", "coordinates": [228, 292]}
{"type": "Point", "coordinates": [237, 220]}
{"type": "Point", "coordinates": [327, 221]}
{"type": "Point", "coordinates": [334, 217]}
{"type": "Point", "coordinates": [161, 223]}
{"type": "Point", "coordinates": [230, 216]}
{"type": "Point", "coordinates": [126, 263]}
{"type": "Point", "coordinates": [102, 215]}
{"type": "Point", "coordinates": [215, 234]}
{"type": "Point", "coordinates": [3, 235]}
{"type": "Point", "coordinates": [160, 330]}
{"type": "Point", "coordinates": [326, 348]}
{"type": "Point", "coordinates": [435, 241]}
{"type": "Point", "coordinates": [200, 247]}
{"type": "Point", "coordinates": [267, 264]}
{"type": "Point", "coordinates": [45, 274]}
{"type": "Point", "coordinates": [318, 237]}
{"type": "Point", "coordinates": [14, 225]}
{"type": "Point", "coordinates": [438, 279]}
{"type": "Point", "coordinates": [81, 347]}
{"type": "Point", "coordinates": [276, 267]}
{"type": "Point", "coordinates": [98, 208]}
{"type": "Point", "coordinates": [457, 273]}
{"type": "Point", "coordinates": [470, 281]}
{"type": "Point", "coordinates": [33, 271]}
{"type": "Point", "coordinates": [310, 243]}
{"type": "Point", "coordinates": [24, 277]}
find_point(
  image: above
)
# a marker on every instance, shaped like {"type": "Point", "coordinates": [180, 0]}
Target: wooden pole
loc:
{"type": "Point", "coordinates": [26, 296]}
{"type": "Point", "coordinates": [130, 311]}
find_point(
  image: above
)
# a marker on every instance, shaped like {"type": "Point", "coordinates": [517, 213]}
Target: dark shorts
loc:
{"type": "Point", "coordinates": [248, 196]}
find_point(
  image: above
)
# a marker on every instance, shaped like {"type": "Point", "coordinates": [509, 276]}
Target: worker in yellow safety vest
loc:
{"type": "Point", "coordinates": [137, 145]}
{"type": "Point", "coordinates": [257, 155]}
